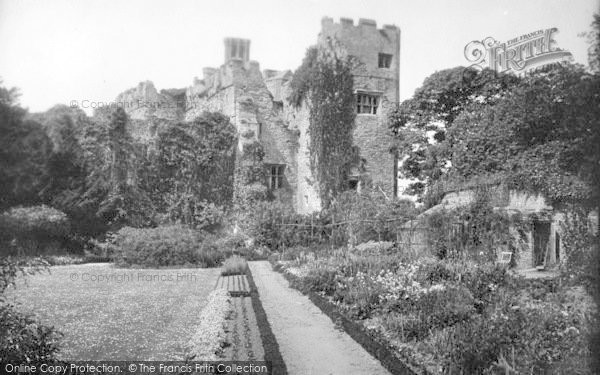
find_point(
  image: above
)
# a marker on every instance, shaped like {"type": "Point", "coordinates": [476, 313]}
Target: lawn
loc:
{"type": "Point", "coordinates": [108, 313]}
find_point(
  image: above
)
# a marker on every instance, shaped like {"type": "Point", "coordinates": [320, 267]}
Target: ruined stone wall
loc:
{"type": "Point", "coordinates": [257, 105]}
{"type": "Point", "coordinates": [238, 90]}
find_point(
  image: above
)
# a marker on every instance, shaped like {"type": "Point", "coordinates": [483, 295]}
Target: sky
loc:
{"type": "Point", "coordinates": [59, 51]}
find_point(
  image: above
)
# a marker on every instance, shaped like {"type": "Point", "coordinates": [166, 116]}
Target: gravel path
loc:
{"type": "Point", "coordinates": [308, 339]}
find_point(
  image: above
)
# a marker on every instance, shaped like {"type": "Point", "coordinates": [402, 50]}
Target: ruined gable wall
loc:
{"type": "Point", "coordinates": [239, 91]}
{"type": "Point", "coordinates": [307, 198]}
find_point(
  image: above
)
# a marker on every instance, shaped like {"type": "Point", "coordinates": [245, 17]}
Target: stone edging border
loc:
{"type": "Point", "coordinates": [271, 347]}
{"type": "Point", "coordinates": [358, 333]}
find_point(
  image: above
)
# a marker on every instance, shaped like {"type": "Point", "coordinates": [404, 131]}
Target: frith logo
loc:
{"type": "Point", "coordinates": [519, 54]}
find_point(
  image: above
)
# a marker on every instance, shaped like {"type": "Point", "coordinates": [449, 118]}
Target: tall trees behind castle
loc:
{"type": "Point", "coordinates": [92, 169]}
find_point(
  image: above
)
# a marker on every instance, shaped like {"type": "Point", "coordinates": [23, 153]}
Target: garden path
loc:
{"type": "Point", "coordinates": [308, 340]}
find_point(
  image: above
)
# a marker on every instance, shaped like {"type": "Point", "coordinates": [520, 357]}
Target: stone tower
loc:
{"type": "Point", "coordinates": [376, 89]}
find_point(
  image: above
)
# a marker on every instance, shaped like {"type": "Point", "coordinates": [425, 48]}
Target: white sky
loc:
{"type": "Point", "coordinates": [58, 51]}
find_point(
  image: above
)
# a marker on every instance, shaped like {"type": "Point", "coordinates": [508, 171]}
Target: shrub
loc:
{"type": "Point", "coordinates": [41, 220]}
{"type": "Point", "coordinates": [277, 226]}
{"type": "Point", "coordinates": [582, 263]}
{"type": "Point", "coordinates": [166, 246]}
{"type": "Point", "coordinates": [34, 230]}
{"type": "Point", "coordinates": [22, 338]}
{"type": "Point", "coordinates": [321, 280]}
{"type": "Point", "coordinates": [234, 244]}
{"type": "Point", "coordinates": [519, 338]}
{"type": "Point", "coordinates": [105, 249]}
{"type": "Point", "coordinates": [234, 266]}
{"type": "Point", "coordinates": [369, 216]}
{"type": "Point", "coordinates": [373, 247]}
{"type": "Point", "coordinates": [25, 340]}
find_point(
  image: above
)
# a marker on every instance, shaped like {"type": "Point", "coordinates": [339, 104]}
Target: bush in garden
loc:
{"type": "Point", "coordinates": [360, 294]}
{"type": "Point", "coordinates": [521, 338]}
{"type": "Point", "coordinates": [483, 280]}
{"type": "Point", "coordinates": [267, 230]}
{"type": "Point", "coordinates": [234, 265]}
{"type": "Point", "coordinates": [321, 280]}
{"type": "Point", "coordinates": [105, 249]}
{"type": "Point", "coordinates": [443, 307]}
{"type": "Point", "coordinates": [476, 231]}
{"type": "Point", "coordinates": [166, 246]}
{"type": "Point", "coordinates": [370, 216]}
{"type": "Point", "coordinates": [351, 219]}
{"type": "Point", "coordinates": [34, 230]}
{"type": "Point", "coordinates": [22, 338]}
{"type": "Point", "coordinates": [581, 263]}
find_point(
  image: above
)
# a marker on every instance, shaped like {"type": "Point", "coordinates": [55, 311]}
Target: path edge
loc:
{"type": "Point", "coordinates": [271, 347]}
{"type": "Point", "coordinates": [356, 331]}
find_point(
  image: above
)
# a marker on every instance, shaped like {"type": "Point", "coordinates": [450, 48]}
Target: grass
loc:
{"type": "Point", "coordinates": [108, 313]}
{"type": "Point", "coordinates": [235, 265]}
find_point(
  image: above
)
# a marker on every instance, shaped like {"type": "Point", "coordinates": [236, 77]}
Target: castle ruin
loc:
{"type": "Point", "coordinates": [256, 102]}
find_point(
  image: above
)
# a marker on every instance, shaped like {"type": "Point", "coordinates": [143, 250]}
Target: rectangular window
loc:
{"type": "Point", "coordinates": [385, 60]}
{"type": "Point", "coordinates": [234, 49]}
{"type": "Point", "coordinates": [241, 50]}
{"type": "Point", "coordinates": [275, 177]}
{"type": "Point", "coordinates": [367, 104]}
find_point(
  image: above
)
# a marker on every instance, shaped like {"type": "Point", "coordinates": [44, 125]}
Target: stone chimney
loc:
{"type": "Point", "coordinates": [237, 49]}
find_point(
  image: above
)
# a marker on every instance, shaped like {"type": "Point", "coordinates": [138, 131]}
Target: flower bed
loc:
{"type": "Point", "coordinates": [447, 316]}
{"type": "Point", "coordinates": [209, 338]}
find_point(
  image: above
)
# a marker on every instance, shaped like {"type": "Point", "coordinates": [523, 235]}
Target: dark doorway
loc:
{"type": "Point", "coordinates": [541, 237]}
{"type": "Point", "coordinates": [557, 246]}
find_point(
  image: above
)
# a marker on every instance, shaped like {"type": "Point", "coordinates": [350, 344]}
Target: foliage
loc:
{"type": "Point", "coordinates": [540, 137]}
{"type": "Point", "coordinates": [581, 263]}
{"type": "Point", "coordinates": [302, 78]}
{"type": "Point", "coordinates": [34, 230]}
{"type": "Point", "coordinates": [276, 226]}
{"type": "Point", "coordinates": [209, 337]}
{"type": "Point", "coordinates": [529, 338]}
{"type": "Point", "coordinates": [455, 315]}
{"type": "Point", "coordinates": [325, 82]}
{"type": "Point", "coordinates": [249, 184]}
{"type": "Point", "coordinates": [351, 219]}
{"type": "Point", "coordinates": [368, 216]}
{"type": "Point", "coordinates": [435, 106]}
{"type": "Point", "coordinates": [538, 132]}
{"type": "Point", "coordinates": [234, 265]}
{"type": "Point", "coordinates": [66, 166]}
{"type": "Point", "coordinates": [111, 193]}
{"type": "Point", "coordinates": [191, 175]}
{"type": "Point", "coordinates": [22, 338]}
{"type": "Point", "coordinates": [165, 246]}
{"type": "Point", "coordinates": [37, 220]}
{"type": "Point", "coordinates": [24, 150]}
{"type": "Point", "coordinates": [475, 231]}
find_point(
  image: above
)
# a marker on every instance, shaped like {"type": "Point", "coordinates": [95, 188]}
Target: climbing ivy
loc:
{"type": "Point", "coordinates": [325, 82]}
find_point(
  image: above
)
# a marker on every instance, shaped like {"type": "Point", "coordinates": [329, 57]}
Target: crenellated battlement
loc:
{"type": "Point", "coordinates": [363, 23]}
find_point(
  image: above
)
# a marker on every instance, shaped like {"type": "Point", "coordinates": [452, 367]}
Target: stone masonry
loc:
{"type": "Point", "coordinates": [256, 102]}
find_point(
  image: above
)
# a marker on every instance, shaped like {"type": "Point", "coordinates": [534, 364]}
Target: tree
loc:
{"type": "Point", "coordinates": [66, 166]}
{"type": "Point", "coordinates": [24, 150]}
{"type": "Point", "coordinates": [434, 107]}
{"type": "Point", "coordinates": [543, 135]}
{"type": "Point", "coordinates": [193, 164]}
